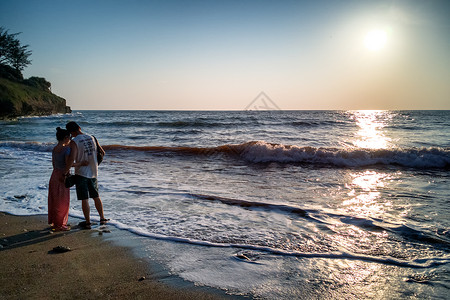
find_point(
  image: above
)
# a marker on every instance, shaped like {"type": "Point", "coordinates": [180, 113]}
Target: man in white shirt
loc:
{"type": "Point", "coordinates": [84, 149]}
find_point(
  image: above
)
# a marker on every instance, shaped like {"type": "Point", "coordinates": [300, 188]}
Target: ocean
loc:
{"type": "Point", "coordinates": [266, 204]}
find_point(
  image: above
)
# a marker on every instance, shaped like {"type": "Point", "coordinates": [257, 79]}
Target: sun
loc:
{"type": "Point", "coordinates": [375, 40]}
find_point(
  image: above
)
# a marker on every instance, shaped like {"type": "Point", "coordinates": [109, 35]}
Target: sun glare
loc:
{"type": "Point", "coordinates": [375, 40]}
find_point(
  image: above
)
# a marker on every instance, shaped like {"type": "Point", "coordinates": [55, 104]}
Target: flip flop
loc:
{"type": "Point", "coordinates": [61, 228]}
{"type": "Point", "coordinates": [104, 221]}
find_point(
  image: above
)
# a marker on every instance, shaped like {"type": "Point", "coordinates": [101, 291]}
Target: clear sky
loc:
{"type": "Point", "coordinates": [220, 54]}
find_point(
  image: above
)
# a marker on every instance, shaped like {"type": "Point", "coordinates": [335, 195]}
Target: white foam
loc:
{"type": "Point", "coordinates": [26, 146]}
{"type": "Point", "coordinates": [262, 151]}
{"type": "Point", "coordinates": [417, 263]}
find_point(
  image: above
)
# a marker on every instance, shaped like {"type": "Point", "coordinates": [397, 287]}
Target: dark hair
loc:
{"type": "Point", "coordinates": [61, 133]}
{"type": "Point", "coordinates": [72, 126]}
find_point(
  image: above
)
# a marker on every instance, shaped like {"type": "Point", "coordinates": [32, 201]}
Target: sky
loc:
{"type": "Point", "coordinates": [221, 54]}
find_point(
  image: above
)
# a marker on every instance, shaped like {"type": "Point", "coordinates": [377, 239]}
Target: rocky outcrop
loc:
{"type": "Point", "coordinates": [30, 97]}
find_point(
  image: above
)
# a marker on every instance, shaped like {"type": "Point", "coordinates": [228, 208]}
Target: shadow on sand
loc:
{"type": "Point", "coordinates": [32, 237]}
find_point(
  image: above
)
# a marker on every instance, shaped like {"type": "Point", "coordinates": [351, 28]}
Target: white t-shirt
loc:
{"type": "Point", "coordinates": [87, 151]}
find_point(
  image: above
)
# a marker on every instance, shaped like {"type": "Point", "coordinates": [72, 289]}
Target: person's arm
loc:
{"type": "Point", "coordinates": [71, 157]}
{"type": "Point", "coordinates": [73, 154]}
{"type": "Point", "coordinates": [53, 158]}
{"type": "Point", "coordinates": [99, 147]}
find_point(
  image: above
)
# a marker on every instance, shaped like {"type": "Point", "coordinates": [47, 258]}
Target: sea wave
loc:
{"type": "Point", "coordinates": [316, 123]}
{"type": "Point", "coordinates": [198, 123]}
{"type": "Point", "coordinates": [191, 124]}
{"type": "Point", "coordinates": [253, 204]}
{"type": "Point", "coordinates": [421, 263]}
{"type": "Point", "coordinates": [53, 116]}
{"type": "Point", "coordinates": [263, 152]}
{"type": "Point", "coordinates": [440, 237]}
{"type": "Point", "coordinates": [27, 146]}
{"type": "Point", "coordinates": [353, 157]}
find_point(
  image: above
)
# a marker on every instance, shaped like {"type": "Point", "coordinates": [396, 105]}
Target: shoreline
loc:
{"type": "Point", "coordinates": [95, 267]}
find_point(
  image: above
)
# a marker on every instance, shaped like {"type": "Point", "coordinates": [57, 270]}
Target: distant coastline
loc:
{"type": "Point", "coordinates": [27, 97]}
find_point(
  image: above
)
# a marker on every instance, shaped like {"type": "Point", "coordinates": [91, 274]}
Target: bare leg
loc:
{"type": "Point", "coordinates": [99, 207]}
{"type": "Point", "coordinates": [86, 210]}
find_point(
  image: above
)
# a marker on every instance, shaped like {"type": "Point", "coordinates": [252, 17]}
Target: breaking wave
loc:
{"type": "Point", "coordinates": [414, 158]}
{"type": "Point", "coordinates": [263, 152]}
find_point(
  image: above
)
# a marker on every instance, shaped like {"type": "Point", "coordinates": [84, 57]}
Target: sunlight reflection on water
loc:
{"type": "Point", "coordinates": [365, 195]}
{"type": "Point", "coordinates": [371, 123]}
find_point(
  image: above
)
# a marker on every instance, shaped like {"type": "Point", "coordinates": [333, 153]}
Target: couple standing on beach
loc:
{"type": "Point", "coordinates": [81, 153]}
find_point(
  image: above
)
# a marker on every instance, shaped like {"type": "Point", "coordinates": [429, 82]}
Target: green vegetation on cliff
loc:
{"type": "Point", "coordinates": [18, 99]}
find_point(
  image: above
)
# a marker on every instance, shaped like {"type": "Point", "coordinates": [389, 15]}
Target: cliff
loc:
{"type": "Point", "coordinates": [30, 97]}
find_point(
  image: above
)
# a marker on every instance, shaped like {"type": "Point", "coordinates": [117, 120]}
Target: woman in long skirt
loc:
{"type": "Point", "coordinates": [58, 194]}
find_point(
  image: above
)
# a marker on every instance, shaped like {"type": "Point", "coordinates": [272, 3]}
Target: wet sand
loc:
{"type": "Point", "coordinates": [94, 268]}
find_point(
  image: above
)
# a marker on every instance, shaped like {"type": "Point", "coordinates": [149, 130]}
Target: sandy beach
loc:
{"type": "Point", "coordinates": [94, 268]}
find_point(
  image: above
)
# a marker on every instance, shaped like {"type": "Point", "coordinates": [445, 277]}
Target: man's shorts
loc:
{"type": "Point", "coordinates": [86, 188]}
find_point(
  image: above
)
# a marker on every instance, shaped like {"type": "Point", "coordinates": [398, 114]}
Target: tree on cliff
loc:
{"type": "Point", "coordinates": [12, 53]}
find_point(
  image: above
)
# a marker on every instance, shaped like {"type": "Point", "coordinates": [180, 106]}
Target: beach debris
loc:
{"type": "Point", "coordinates": [142, 278]}
{"type": "Point", "coordinates": [242, 256]}
{"type": "Point", "coordinates": [420, 278]}
{"type": "Point", "coordinates": [102, 230]}
{"type": "Point", "coordinates": [61, 249]}
{"type": "Point", "coordinates": [247, 256]}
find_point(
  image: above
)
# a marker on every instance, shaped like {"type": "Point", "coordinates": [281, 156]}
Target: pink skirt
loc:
{"type": "Point", "coordinates": [58, 200]}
